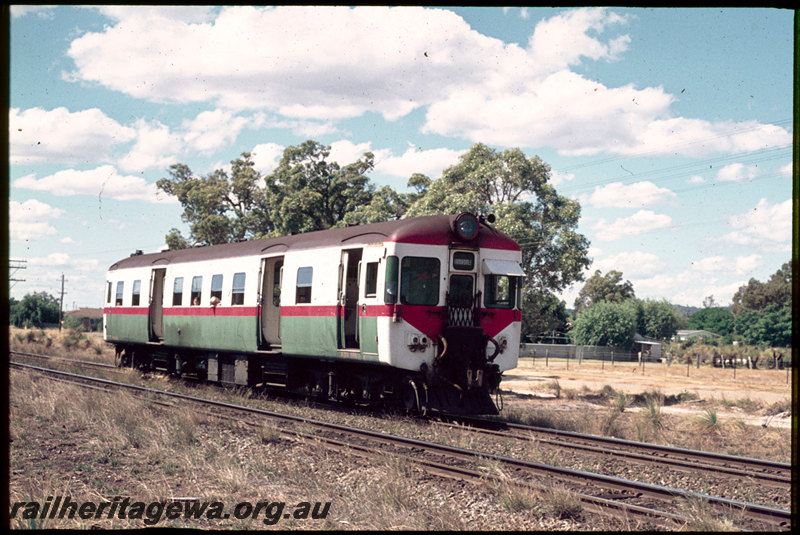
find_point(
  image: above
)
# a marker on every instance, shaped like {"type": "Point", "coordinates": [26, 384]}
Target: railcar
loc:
{"type": "Point", "coordinates": [423, 312]}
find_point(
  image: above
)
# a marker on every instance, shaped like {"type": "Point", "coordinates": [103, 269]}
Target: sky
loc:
{"type": "Point", "coordinates": [671, 127]}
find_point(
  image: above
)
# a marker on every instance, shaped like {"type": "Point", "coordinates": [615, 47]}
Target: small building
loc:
{"type": "Point", "coordinates": [649, 348]}
{"type": "Point", "coordinates": [91, 318]}
{"type": "Point", "coordinates": [684, 335]}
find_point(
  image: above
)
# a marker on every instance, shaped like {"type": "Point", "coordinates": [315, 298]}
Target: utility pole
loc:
{"type": "Point", "coordinates": [61, 304]}
{"type": "Point", "coordinates": [13, 267]}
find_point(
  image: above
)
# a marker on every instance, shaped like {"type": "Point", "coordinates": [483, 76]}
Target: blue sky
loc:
{"type": "Point", "coordinates": [672, 127]}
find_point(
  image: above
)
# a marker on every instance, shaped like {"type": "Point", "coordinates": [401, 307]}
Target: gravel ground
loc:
{"type": "Point", "coordinates": [150, 453]}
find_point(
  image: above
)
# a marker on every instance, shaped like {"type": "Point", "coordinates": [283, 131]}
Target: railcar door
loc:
{"type": "Point", "coordinates": [461, 290]}
{"type": "Point", "coordinates": [271, 276]}
{"type": "Point", "coordinates": [347, 308]}
{"type": "Point", "coordinates": [156, 303]}
{"type": "Point", "coordinates": [368, 310]}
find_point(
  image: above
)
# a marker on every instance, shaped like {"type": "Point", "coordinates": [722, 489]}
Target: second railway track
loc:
{"type": "Point", "coordinates": [660, 504]}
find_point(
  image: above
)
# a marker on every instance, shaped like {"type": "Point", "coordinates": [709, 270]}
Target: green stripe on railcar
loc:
{"type": "Point", "coordinates": [224, 333]}
{"type": "Point", "coordinates": [127, 328]}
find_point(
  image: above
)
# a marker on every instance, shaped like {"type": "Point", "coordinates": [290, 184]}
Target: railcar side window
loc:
{"type": "Point", "coordinates": [371, 286]}
{"type": "Point", "coordinates": [216, 287]}
{"type": "Point", "coordinates": [501, 291]}
{"type": "Point", "coordinates": [197, 290]}
{"type": "Point", "coordinates": [238, 289]}
{"type": "Point", "coordinates": [137, 290]}
{"type": "Point", "coordinates": [177, 292]}
{"type": "Point", "coordinates": [304, 277]}
{"type": "Point", "coordinates": [420, 281]}
{"type": "Point", "coordinates": [120, 286]}
{"type": "Point", "coordinates": [392, 271]}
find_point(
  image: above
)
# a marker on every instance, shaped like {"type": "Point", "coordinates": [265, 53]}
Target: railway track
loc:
{"type": "Point", "coordinates": [653, 504]}
{"type": "Point", "coordinates": [759, 471]}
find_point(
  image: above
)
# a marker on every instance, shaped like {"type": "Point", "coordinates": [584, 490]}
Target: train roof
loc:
{"type": "Point", "coordinates": [428, 230]}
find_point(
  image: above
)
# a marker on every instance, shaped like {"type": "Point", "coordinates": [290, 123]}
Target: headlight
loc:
{"type": "Point", "coordinates": [466, 226]}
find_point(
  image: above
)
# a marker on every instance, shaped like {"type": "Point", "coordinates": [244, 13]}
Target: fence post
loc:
{"type": "Point", "coordinates": [612, 357]}
{"type": "Point", "coordinates": [547, 357]}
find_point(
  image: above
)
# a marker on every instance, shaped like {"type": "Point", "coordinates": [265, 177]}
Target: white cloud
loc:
{"type": "Point", "coordinates": [640, 194]}
{"type": "Point", "coordinates": [43, 11]}
{"type": "Point", "coordinates": [345, 152]}
{"type": "Point", "coordinates": [329, 63]}
{"type": "Point", "coordinates": [39, 136]}
{"type": "Point", "coordinates": [641, 222]}
{"type": "Point", "coordinates": [767, 227]}
{"type": "Point", "coordinates": [30, 220]}
{"type": "Point", "coordinates": [738, 173]}
{"type": "Point", "coordinates": [212, 129]}
{"type": "Point", "coordinates": [720, 264]}
{"type": "Point", "coordinates": [103, 182]}
{"type": "Point", "coordinates": [428, 162]}
{"type": "Point", "coordinates": [266, 157]}
{"type": "Point", "coordinates": [155, 148]}
{"type": "Point", "coordinates": [632, 265]}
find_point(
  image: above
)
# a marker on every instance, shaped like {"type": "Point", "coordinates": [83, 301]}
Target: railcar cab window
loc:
{"type": "Point", "coordinates": [420, 281]}
{"type": "Point", "coordinates": [120, 286]}
{"type": "Point", "coordinates": [304, 277]}
{"type": "Point", "coordinates": [392, 272]}
{"type": "Point", "coordinates": [197, 290]}
{"type": "Point", "coordinates": [137, 290]}
{"type": "Point", "coordinates": [501, 291]}
{"type": "Point", "coordinates": [177, 292]}
{"type": "Point", "coordinates": [108, 294]}
{"type": "Point", "coordinates": [237, 297]}
{"type": "Point", "coordinates": [216, 288]}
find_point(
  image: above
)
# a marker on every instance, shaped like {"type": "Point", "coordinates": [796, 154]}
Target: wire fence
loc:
{"type": "Point", "coordinates": [562, 355]}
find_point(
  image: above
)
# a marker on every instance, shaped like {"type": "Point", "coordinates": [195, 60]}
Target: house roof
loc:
{"type": "Point", "coordinates": [691, 333]}
{"type": "Point", "coordinates": [92, 313]}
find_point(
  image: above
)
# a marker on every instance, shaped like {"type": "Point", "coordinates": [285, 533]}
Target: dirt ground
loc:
{"type": "Point", "coordinates": [726, 386]}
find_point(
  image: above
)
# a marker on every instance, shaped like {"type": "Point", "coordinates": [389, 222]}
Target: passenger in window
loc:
{"type": "Point", "coordinates": [196, 301]}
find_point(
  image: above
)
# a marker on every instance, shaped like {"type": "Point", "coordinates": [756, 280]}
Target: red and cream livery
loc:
{"type": "Point", "coordinates": [423, 310]}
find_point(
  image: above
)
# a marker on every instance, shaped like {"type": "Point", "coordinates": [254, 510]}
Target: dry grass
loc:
{"type": "Point", "coordinates": [94, 446]}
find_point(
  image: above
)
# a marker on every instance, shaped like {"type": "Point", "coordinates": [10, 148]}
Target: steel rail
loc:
{"type": "Point", "coordinates": [771, 515]}
{"type": "Point", "coordinates": [773, 472]}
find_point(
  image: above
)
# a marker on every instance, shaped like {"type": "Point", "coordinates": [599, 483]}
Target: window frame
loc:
{"type": "Point", "coordinates": [303, 290]}
{"type": "Point", "coordinates": [489, 291]}
{"type": "Point", "coordinates": [136, 293]}
{"type": "Point", "coordinates": [119, 294]}
{"type": "Point", "coordinates": [177, 292]}
{"type": "Point", "coordinates": [237, 292]}
{"type": "Point", "coordinates": [432, 296]}
{"type": "Point", "coordinates": [196, 291]}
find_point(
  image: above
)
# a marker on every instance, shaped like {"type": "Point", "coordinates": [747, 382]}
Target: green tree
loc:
{"type": "Point", "coordinates": [517, 191]}
{"type": "Point", "coordinates": [758, 296]}
{"type": "Point", "coordinates": [605, 324]}
{"type": "Point", "coordinates": [717, 320]}
{"type": "Point", "coordinates": [305, 192]}
{"type": "Point", "coordinates": [603, 288]}
{"type": "Point", "coordinates": [34, 309]}
{"type": "Point", "coordinates": [772, 326]}
{"type": "Point", "coordinates": [218, 208]}
{"type": "Point", "coordinates": [658, 319]}
{"type": "Point", "coordinates": [310, 193]}
{"type": "Point", "coordinates": [542, 315]}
